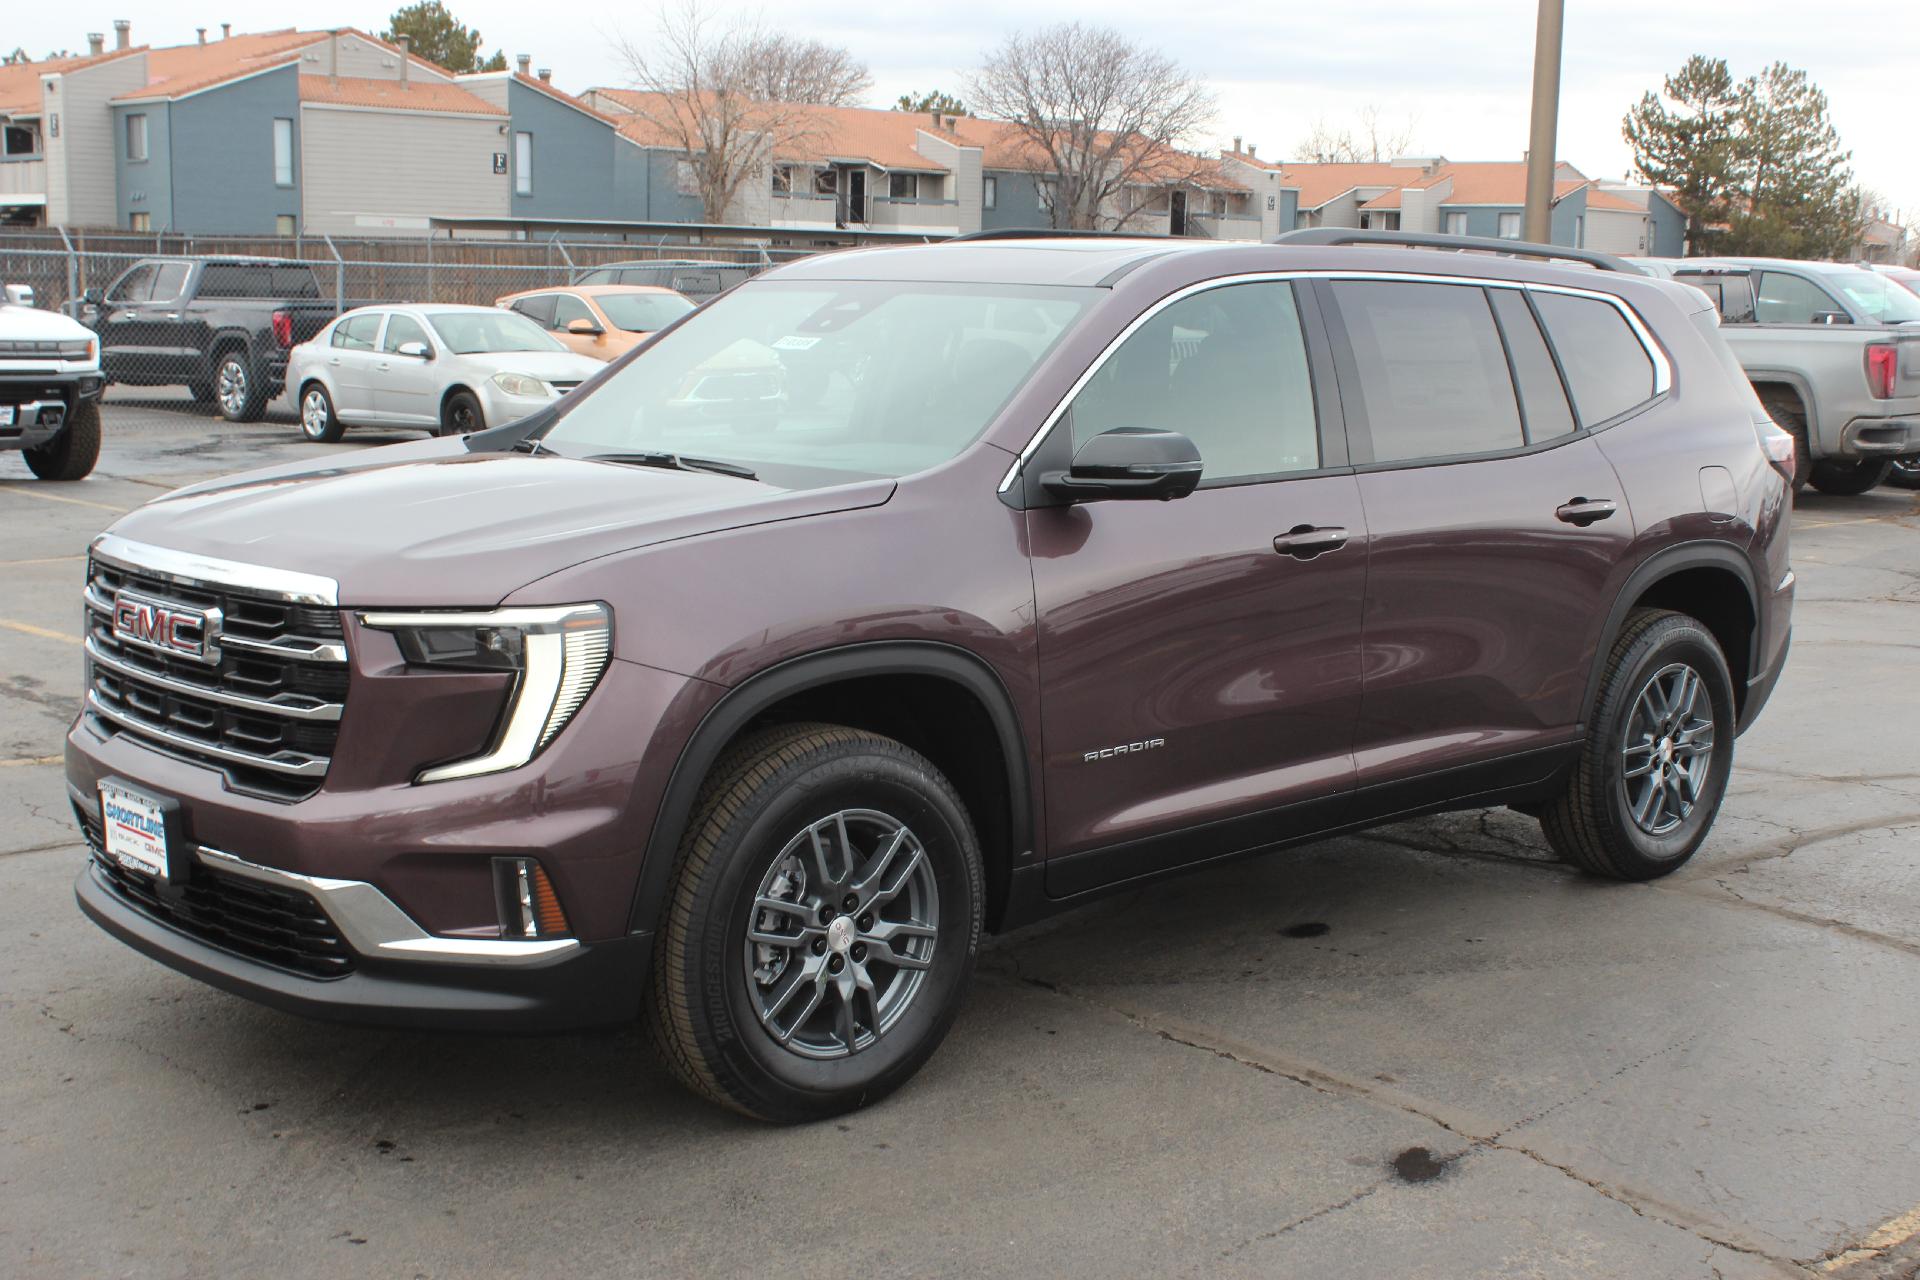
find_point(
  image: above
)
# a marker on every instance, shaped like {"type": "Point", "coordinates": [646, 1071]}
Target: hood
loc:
{"type": "Point", "coordinates": [435, 524]}
{"type": "Point", "coordinates": [34, 325]}
{"type": "Point", "coordinates": [546, 365]}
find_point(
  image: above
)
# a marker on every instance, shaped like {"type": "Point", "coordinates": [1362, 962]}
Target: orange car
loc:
{"type": "Point", "coordinates": [603, 321]}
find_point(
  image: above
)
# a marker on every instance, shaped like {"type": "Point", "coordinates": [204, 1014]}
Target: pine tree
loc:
{"type": "Point", "coordinates": [439, 37]}
{"type": "Point", "coordinates": [1688, 148]}
{"type": "Point", "coordinates": [1799, 195]}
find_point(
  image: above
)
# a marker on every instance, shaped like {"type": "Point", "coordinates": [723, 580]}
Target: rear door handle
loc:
{"type": "Point", "coordinates": [1584, 511]}
{"type": "Point", "coordinates": [1305, 541]}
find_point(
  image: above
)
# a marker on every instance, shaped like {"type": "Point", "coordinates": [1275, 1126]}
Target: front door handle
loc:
{"type": "Point", "coordinates": [1305, 541]}
{"type": "Point", "coordinates": [1584, 511]}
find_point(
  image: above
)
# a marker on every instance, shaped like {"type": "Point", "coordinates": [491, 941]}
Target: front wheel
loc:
{"type": "Point", "coordinates": [1848, 479]}
{"type": "Point", "coordinates": [1659, 748]}
{"type": "Point", "coordinates": [823, 924]}
{"type": "Point", "coordinates": [318, 422]}
{"type": "Point", "coordinates": [1904, 473]}
{"type": "Point", "coordinates": [461, 415]}
{"type": "Point", "coordinates": [71, 454]}
{"type": "Point", "coordinates": [238, 393]}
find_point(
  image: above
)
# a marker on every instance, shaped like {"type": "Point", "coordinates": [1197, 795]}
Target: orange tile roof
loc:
{"type": "Point", "coordinates": [391, 95]}
{"type": "Point", "coordinates": [20, 81]}
{"type": "Point", "coordinates": [178, 70]}
{"type": "Point", "coordinates": [1319, 183]}
{"type": "Point", "coordinates": [546, 86]}
{"type": "Point", "coordinates": [1497, 182]}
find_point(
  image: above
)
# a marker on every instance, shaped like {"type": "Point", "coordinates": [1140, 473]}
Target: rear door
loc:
{"type": "Point", "coordinates": [350, 362]}
{"type": "Point", "coordinates": [1496, 526]}
{"type": "Point", "coordinates": [1199, 661]}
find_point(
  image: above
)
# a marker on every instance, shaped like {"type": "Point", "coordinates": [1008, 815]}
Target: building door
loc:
{"type": "Point", "coordinates": [1177, 214]}
{"type": "Point", "coordinates": [856, 195]}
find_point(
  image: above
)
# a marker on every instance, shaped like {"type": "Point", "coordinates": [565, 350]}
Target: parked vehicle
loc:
{"type": "Point", "coordinates": [1906, 277]}
{"type": "Point", "coordinates": [49, 390]}
{"type": "Point", "coordinates": [604, 321]}
{"type": "Point", "coordinates": [693, 278]}
{"type": "Point", "coordinates": [1833, 351]}
{"type": "Point", "coordinates": [443, 368]}
{"type": "Point", "coordinates": [1096, 561]}
{"type": "Point", "coordinates": [222, 327]}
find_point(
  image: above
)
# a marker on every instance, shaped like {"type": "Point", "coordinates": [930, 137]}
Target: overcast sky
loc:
{"type": "Point", "coordinates": [1459, 70]}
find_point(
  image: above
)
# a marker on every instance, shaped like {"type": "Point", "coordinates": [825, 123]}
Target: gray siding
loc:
{"type": "Point", "coordinates": [386, 172]}
{"type": "Point", "coordinates": [573, 168]}
{"type": "Point", "coordinates": [82, 190]}
{"type": "Point", "coordinates": [1567, 216]}
{"type": "Point", "coordinates": [1016, 202]}
{"type": "Point", "coordinates": [1484, 220]}
{"type": "Point", "coordinates": [145, 186]}
{"type": "Point", "coordinates": [665, 203]}
{"type": "Point", "coordinates": [223, 156]}
{"type": "Point", "coordinates": [1669, 228]}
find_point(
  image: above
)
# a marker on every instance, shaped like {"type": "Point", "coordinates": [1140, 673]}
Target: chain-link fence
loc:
{"type": "Point", "coordinates": [186, 319]}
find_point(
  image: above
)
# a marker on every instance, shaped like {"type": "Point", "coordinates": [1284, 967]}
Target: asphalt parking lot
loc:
{"type": "Point", "coordinates": [1424, 1051]}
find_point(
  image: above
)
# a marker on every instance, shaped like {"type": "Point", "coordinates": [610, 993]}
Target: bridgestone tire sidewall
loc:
{"type": "Point", "coordinates": [1672, 640]}
{"type": "Point", "coordinates": [795, 1085]}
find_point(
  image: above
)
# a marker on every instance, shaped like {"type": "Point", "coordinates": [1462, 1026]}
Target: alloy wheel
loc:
{"type": "Point", "coordinates": [230, 386]}
{"type": "Point", "coordinates": [1667, 754]}
{"type": "Point", "coordinates": [840, 933]}
{"type": "Point", "coordinates": [313, 413]}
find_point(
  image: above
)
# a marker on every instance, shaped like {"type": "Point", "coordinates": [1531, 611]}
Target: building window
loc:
{"type": "Point", "coordinates": [685, 180]}
{"type": "Point", "coordinates": [1580, 231]}
{"type": "Point", "coordinates": [523, 164]}
{"type": "Point", "coordinates": [21, 140]}
{"type": "Point", "coordinates": [283, 225]}
{"type": "Point", "coordinates": [140, 221]}
{"type": "Point", "coordinates": [903, 186]}
{"type": "Point", "coordinates": [783, 179]}
{"type": "Point", "coordinates": [137, 136]}
{"type": "Point", "coordinates": [1456, 224]}
{"type": "Point", "coordinates": [283, 153]}
{"type": "Point", "coordinates": [826, 182]}
{"type": "Point", "coordinates": [989, 192]}
{"type": "Point", "coordinates": [1509, 226]}
{"type": "Point", "coordinates": [1046, 189]}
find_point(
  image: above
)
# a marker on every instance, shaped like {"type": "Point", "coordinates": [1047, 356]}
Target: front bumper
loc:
{"type": "Point", "coordinates": [500, 408]}
{"type": "Point", "coordinates": [34, 423]}
{"type": "Point", "coordinates": [1873, 438]}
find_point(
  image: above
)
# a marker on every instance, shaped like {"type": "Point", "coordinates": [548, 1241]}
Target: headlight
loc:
{"type": "Point", "coordinates": [521, 384]}
{"type": "Point", "coordinates": [78, 349]}
{"type": "Point", "coordinates": [557, 653]}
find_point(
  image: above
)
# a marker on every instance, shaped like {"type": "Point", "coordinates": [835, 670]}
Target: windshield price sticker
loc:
{"type": "Point", "coordinates": [794, 342]}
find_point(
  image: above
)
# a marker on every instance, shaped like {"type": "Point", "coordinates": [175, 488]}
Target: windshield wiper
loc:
{"type": "Point", "coordinates": [678, 462]}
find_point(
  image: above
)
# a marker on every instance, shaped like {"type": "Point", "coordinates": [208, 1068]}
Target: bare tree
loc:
{"type": "Point", "coordinates": [1368, 141]}
{"type": "Point", "coordinates": [731, 97]}
{"type": "Point", "coordinates": [784, 68]}
{"type": "Point", "coordinates": [1100, 114]}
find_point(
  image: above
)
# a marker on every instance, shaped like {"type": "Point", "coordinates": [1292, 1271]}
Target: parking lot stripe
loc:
{"type": "Point", "coordinates": [28, 762]}
{"type": "Point", "coordinates": [28, 629]}
{"type": "Point", "coordinates": [54, 497]}
{"type": "Point", "coordinates": [15, 564]}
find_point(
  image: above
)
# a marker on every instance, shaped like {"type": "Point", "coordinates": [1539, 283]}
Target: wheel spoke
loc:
{"type": "Point", "coordinates": [892, 891]}
{"type": "Point", "coordinates": [801, 975]}
{"type": "Point", "coordinates": [798, 910]}
{"type": "Point", "coordinates": [1645, 807]}
{"type": "Point", "coordinates": [877, 865]}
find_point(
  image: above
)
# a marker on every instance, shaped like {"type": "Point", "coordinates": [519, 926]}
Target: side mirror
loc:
{"type": "Point", "coordinates": [584, 328]}
{"type": "Point", "coordinates": [418, 350]}
{"type": "Point", "coordinates": [94, 298]}
{"type": "Point", "coordinates": [1128, 462]}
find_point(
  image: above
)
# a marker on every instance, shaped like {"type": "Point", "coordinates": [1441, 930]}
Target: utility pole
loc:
{"type": "Point", "coordinates": [1546, 122]}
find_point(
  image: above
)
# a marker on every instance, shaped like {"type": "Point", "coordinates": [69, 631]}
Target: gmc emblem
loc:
{"type": "Point", "coordinates": [170, 628]}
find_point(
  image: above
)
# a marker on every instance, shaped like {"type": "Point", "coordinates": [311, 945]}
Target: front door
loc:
{"type": "Point", "coordinates": [405, 387]}
{"type": "Point", "coordinates": [1200, 659]}
{"type": "Point", "coordinates": [1498, 529]}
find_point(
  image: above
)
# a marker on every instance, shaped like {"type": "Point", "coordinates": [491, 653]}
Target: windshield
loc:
{"type": "Point", "coordinates": [841, 378]}
{"type": "Point", "coordinates": [472, 332]}
{"type": "Point", "coordinates": [643, 312]}
{"type": "Point", "coordinates": [1875, 294]}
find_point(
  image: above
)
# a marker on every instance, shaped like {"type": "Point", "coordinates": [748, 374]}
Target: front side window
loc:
{"type": "Point", "coordinates": [813, 383]}
{"type": "Point", "coordinates": [1509, 226]}
{"type": "Point", "coordinates": [523, 164]}
{"type": "Point", "coordinates": [1881, 297]}
{"type": "Point", "coordinates": [357, 333]}
{"type": "Point", "coordinates": [1783, 299]}
{"type": "Point", "coordinates": [402, 330]}
{"type": "Point", "coordinates": [567, 309]}
{"type": "Point", "coordinates": [643, 312]}
{"type": "Point", "coordinates": [1227, 367]}
{"type": "Point", "coordinates": [1431, 370]}
{"type": "Point", "coordinates": [283, 153]}
{"type": "Point", "coordinates": [137, 136]}
{"type": "Point", "coordinates": [1607, 368]}
{"type": "Point", "coordinates": [468, 333]}
{"type": "Point", "coordinates": [135, 286]}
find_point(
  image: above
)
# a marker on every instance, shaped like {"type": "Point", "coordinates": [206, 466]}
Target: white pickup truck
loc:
{"type": "Point", "coordinates": [1833, 351]}
{"type": "Point", "coordinates": [49, 389]}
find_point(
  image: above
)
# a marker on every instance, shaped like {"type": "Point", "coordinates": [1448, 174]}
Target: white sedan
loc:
{"type": "Point", "coordinates": [443, 368]}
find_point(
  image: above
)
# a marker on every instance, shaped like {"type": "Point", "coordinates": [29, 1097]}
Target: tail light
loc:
{"type": "Point", "coordinates": [529, 908]}
{"type": "Point", "coordinates": [1778, 446]}
{"type": "Point", "coordinates": [283, 329]}
{"type": "Point", "coordinates": [1883, 370]}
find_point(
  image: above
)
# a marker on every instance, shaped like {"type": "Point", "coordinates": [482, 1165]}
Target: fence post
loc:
{"type": "Point", "coordinates": [339, 276]}
{"type": "Point", "coordinates": [430, 296]}
{"type": "Point", "coordinates": [73, 271]}
{"type": "Point", "coordinates": [573, 270]}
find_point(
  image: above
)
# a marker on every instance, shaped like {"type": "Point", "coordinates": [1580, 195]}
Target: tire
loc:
{"type": "Point", "coordinates": [318, 422]}
{"type": "Point", "coordinates": [239, 393]}
{"type": "Point", "coordinates": [733, 1017]}
{"type": "Point", "coordinates": [1790, 415]}
{"type": "Point", "coordinates": [1904, 473]}
{"type": "Point", "coordinates": [1848, 479]}
{"type": "Point", "coordinates": [71, 454]}
{"type": "Point", "coordinates": [1592, 823]}
{"type": "Point", "coordinates": [461, 415]}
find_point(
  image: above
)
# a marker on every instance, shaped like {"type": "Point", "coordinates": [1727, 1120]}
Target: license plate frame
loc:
{"type": "Point", "coordinates": [7, 414]}
{"type": "Point", "coordinates": [140, 831]}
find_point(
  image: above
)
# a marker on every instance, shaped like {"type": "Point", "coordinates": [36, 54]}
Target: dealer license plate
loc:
{"type": "Point", "coordinates": [6, 415]}
{"type": "Point", "coordinates": [136, 830]}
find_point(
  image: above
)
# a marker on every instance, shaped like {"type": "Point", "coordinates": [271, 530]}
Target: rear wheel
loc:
{"type": "Point", "coordinates": [1846, 479]}
{"type": "Point", "coordinates": [824, 921]}
{"type": "Point", "coordinates": [1650, 778]}
{"type": "Point", "coordinates": [461, 415]}
{"type": "Point", "coordinates": [1904, 472]}
{"type": "Point", "coordinates": [1790, 415]}
{"type": "Point", "coordinates": [318, 422]}
{"type": "Point", "coordinates": [71, 454]}
{"type": "Point", "coordinates": [238, 393]}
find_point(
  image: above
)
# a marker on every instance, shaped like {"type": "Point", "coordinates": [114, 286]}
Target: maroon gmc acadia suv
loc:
{"type": "Point", "coordinates": [903, 594]}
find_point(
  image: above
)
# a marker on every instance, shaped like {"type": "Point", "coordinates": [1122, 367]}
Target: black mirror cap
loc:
{"type": "Point", "coordinates": [1129, 462]}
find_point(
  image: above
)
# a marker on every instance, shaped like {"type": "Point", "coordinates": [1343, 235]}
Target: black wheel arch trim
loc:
{"type": "Point", "coordinates": [1664, 564]}
{"type": "Point", "coordinates": [757, 693]}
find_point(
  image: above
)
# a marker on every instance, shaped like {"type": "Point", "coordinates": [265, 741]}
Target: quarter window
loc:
{"type": "Point", "coordinates": [1607, 368]}
{"type": "Point", "coordinates": [1431, 369]}
{"type": "Point", "coordinates": [1785, 299]}
{"type": "Point", "coordinates": [1226, 366]}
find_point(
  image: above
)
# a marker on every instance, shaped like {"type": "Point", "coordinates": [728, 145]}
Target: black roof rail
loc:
{"type": "Point", "coordinates": [1049, 233]}
{"type": "Point", "coordinates": [1477, 244]}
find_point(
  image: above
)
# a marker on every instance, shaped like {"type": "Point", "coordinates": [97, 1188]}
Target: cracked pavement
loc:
{"type": "Point", "coordinates": [1428, 1050]}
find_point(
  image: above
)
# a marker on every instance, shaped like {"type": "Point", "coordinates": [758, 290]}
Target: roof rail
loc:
{"type": "Point", "coordinates": [1477, 244]}
{"type": "Point", "coordinates": [1049, 233]}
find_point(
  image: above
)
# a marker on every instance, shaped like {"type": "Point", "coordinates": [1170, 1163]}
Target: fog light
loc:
{"type": "Point", "coordinates": [529, 908]}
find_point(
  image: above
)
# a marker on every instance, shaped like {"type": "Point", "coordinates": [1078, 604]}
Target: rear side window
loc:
{"type": "Point", "coordinates": [1226, 366]}
{"type": "Point", "coordinates": [170, 281]}
{"type": "Point", "coordinates": [1543, 400]}
{"type": "Point", "coordinates": [293, 282]}
{"type": "Point", "coordinates": [1431, 369]}
{"type": "Point", "coordinates": [235, 280]}
{"type": "Point", "coordinates": [1608, 370]}
{"type": "Point", "coordinates": [357, 333]}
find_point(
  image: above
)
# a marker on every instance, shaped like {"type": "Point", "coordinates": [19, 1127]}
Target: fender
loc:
{"type": "Point", "coordinates": [1801, 387]}
{"type": "Point", "coordinates": [1664, 564]}
{"type": "Point", "coordinates": [755, 694]}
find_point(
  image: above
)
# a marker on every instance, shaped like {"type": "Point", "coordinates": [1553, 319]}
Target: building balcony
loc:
{"type": "Point", "coordinates": [23, 176]}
